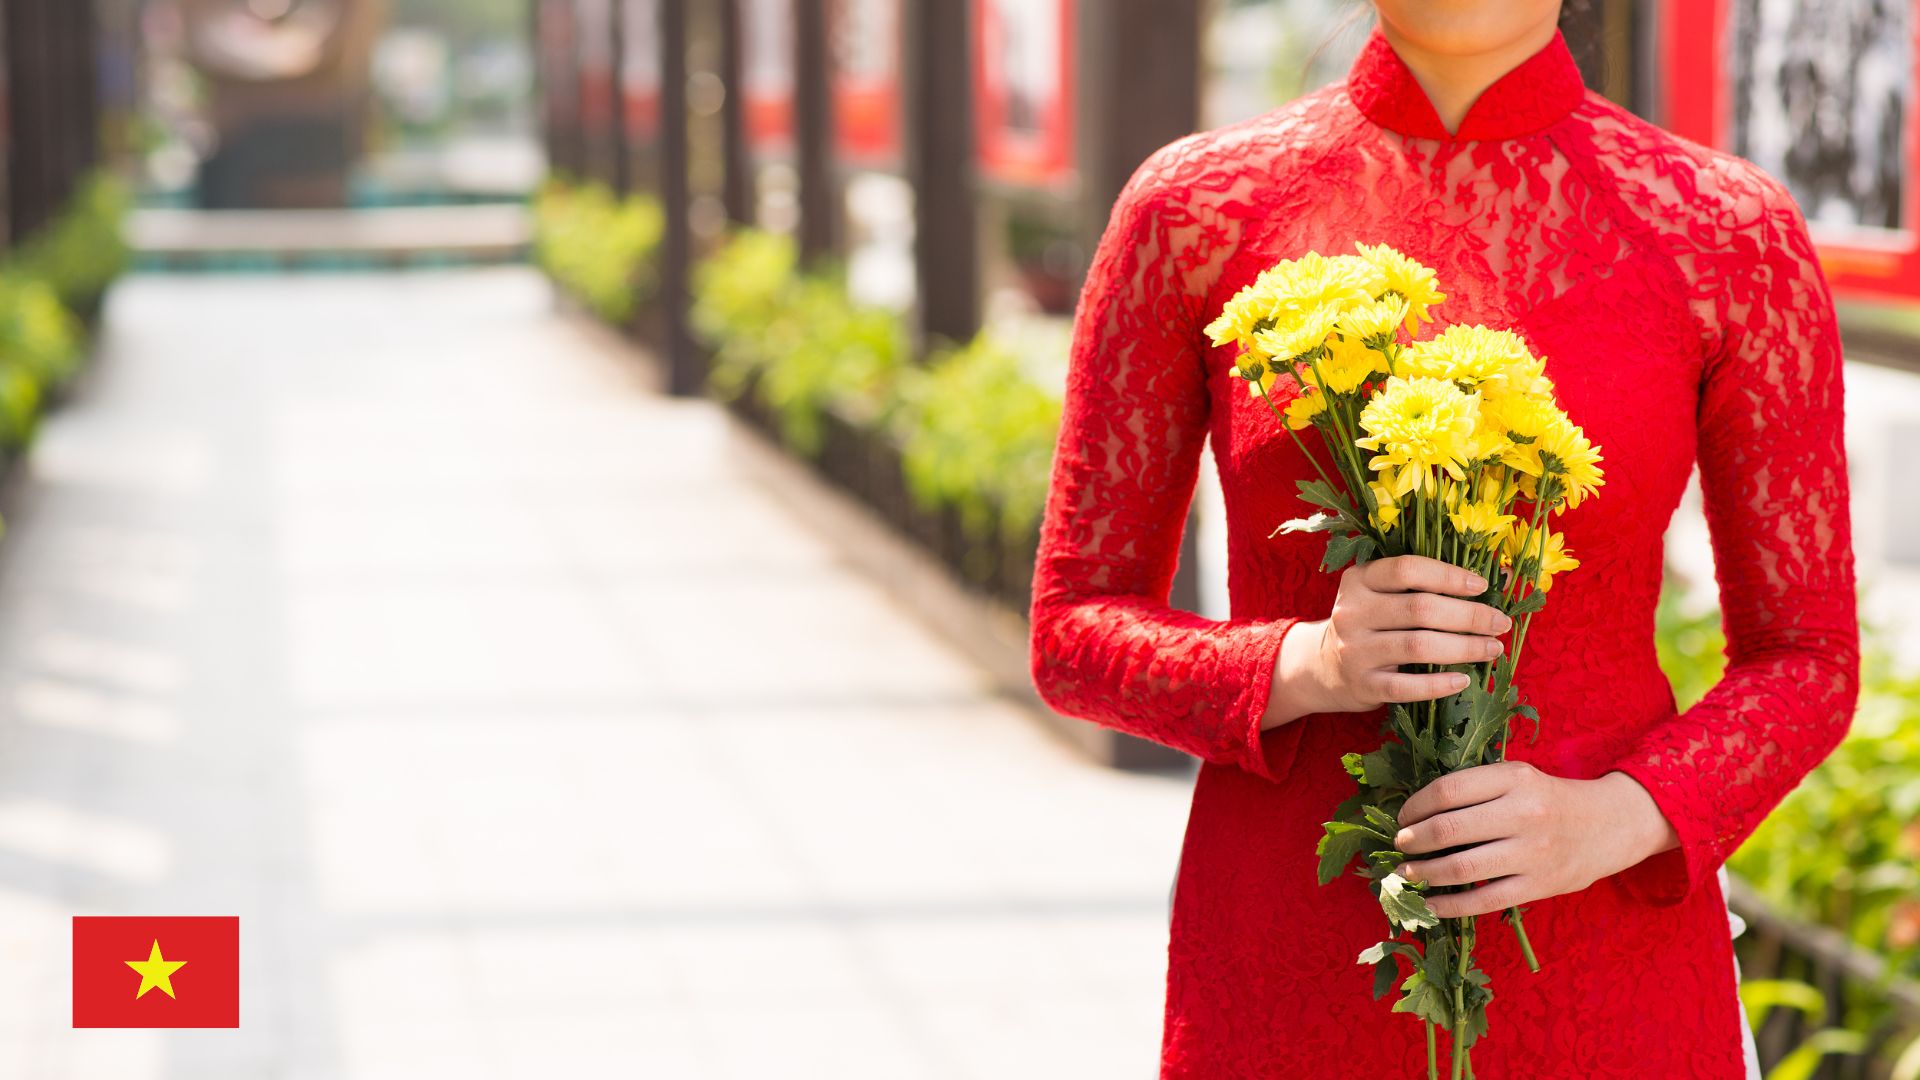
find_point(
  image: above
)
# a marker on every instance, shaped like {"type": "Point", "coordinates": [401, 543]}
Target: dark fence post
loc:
{"type": "Point", "coordinates": [622, 172]}
{"type": "Point", "coordinates": [938, 141]}
{"type": "Point", "coordinates": [736, 192]}
{"type": "Point", "coordinates": [1143, 71]}
{"type": "Point", "coordinates": [813, 132]}
{"type": "Point", "coordinates": [683, 361]}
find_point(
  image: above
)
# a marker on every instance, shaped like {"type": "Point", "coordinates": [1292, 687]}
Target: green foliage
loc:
{"type": "Point", "coordinates": [39, 346]}
{"type": "Point", "coordinates": [979, 436]}
{"type": "Point", "coordinates": [976, 431]}
{"type": "Point", "coordinates": [1862, 806]}
{"type": "Point", "coordinates": [598, 247]}
{"type": "Point", "coordinates": [1842, 850]}
{"type": "Point", "coordinates": [82, 249]}
{"type": "Point", "coordinates": [796, 339]}
{"type": "Point", "coordinates": [53, 279]}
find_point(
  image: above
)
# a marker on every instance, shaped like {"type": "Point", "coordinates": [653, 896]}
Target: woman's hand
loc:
{"type": "Point", "coordinates": [1389, 612]}
{"type": "Point", "coordinates": [1534, 835]}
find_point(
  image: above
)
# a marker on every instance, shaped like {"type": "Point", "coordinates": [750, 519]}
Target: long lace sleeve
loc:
{"type": "Point", "coordinates": [1105, 645]}
{"type": "Point", "coordinates": [1774, 483]}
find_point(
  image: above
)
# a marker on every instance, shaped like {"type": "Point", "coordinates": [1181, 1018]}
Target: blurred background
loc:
{"type": "Point", "coordinates": [530, 504]}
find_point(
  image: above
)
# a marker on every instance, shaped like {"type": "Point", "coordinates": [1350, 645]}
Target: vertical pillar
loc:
{"type": "Point", "coordinates": [684, 371]}
{"type": "Point", "coordinates": [813, 132]}
{"type": "Point", "coordinates": [1141, 63]}
{"type": "Point", "coordinates": [938, 141]}
{"type": "Point", "coordinates": [736, 191]}
{"type": "Point", "coordinates": [1144, 59]}
{"type": "Point", "coordinates": [621, 174]}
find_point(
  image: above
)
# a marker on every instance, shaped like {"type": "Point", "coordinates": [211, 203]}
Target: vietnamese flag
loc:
{"type": "Point", "coordinates": [161, 971]}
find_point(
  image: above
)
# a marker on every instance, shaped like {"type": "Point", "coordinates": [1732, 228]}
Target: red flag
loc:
{"type": "Point", "coordinates": [156, 971]}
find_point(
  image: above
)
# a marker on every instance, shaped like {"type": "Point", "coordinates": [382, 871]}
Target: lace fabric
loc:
{"type": "Point", "coordinates": [1684, 317]}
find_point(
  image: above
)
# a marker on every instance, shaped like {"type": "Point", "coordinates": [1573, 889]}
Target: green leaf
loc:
{"type": "Point", "coordinates": [1424, 999]}
{"type": "Point", "coordinates": [1805, 1059]}
{"type": "Point", "coordinates": [1405, 907]}
{"type": "Point", "coordinates": [1385, 971]}
{"type": "Point", "coordinates": [1343, 841]}
{"type": "Point", "coordinates": [1342, 550]}
{"type": "Point", "coordinates": [1485, 717]}
{"type": "Point", "coordinates": [1385, 822]}
{"type": "Point", "coordinates": [1388, 767]}
{"type": "Point", "coordinates": [1317, 493]}
{"type": "Point", "coordinates": [1762, 996]}
{"type": "Point", "coordinates": [1528, 604]}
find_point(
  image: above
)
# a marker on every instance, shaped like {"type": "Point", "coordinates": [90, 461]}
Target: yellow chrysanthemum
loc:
{"type": "Point", "coordinates": [1386, 512]}
{"type": "Point", "coordinates": [1549, 553]}
{"type": "Point", "coordinates": [1573, 461]}
{"type": "Point", "coordinates": [1416, 425]}
{"type": "Point", "coordinates": [1481, 519]}
{"type": "Point", "coordinates": [1408, 279]}
{"type": "Point", "coordinates": [1374, 320]}
{"type": "Point", "coordinates": [1298, 334]}
{"type": "Point", "coordinates": [1529, 423]}
{"type": "Point", "coordinates": [1286, 291]}
{"type": "Point", "coordinates": [1346, 365]}
{"type": "Point", "coordinates": [1473, 355]}
{"type": "Point", "coordinates": [1308, 404]}
{"type": "Point", "coordinates": [1521, 415]}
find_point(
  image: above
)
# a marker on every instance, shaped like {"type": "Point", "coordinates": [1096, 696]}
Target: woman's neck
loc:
{"type": "Point", "coordinates": [1453, 81]}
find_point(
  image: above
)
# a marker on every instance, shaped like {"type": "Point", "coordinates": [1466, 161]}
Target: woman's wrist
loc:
{"type": "Point", "coordinates": [1297, 688]}
{"type": "Point", "coordinates": [1651, 831]}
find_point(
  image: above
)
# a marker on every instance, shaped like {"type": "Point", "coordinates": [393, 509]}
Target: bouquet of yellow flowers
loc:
{"type": "Point", "coordinates": [1450, 447]}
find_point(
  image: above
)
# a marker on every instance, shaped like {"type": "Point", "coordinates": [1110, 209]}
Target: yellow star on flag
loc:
{"type": "Point", "coordinates": [156, 970]}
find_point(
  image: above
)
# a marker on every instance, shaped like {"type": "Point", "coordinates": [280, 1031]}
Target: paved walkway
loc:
{"type": "Point", "coordinates": [526, 734]}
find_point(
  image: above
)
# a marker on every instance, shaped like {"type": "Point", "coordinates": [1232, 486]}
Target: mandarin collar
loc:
{"type": "Point", "coordinates": [1543, 89]}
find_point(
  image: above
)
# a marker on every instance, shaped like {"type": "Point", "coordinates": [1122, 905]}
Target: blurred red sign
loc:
{"type": "Point", "coordinates": [866, 81]}
{"type": "Point", "coordinates": [1023, 89]}
{"type": "Point", "coordinates": [766, 74]}
{"type": "Point", "coordinates": [594, 23]}
{"type": "Point", "coordinates": [1822, 99]}
{"type": "Point", "coordinates": [640, 66]}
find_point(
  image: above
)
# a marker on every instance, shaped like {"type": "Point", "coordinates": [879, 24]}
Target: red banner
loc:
{"type": "Point", "coordinates": [866, 81]}
{"type": "Point", "coordinates": [640, 66]}
{"type": "Point", "coordinates": [594, 23]}
{"type": "Point", "coordinates": [766, 73]}
{"type": "Point", "coordinates": [156, 971]}
{"type": "Point", "coordinates": [1821, 97]}
{"type": "Point", "coordinates": [1023, 89]}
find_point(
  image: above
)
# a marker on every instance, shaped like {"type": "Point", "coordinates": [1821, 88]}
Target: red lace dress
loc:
{"type": "Point", "coordinates": [1684, 318]}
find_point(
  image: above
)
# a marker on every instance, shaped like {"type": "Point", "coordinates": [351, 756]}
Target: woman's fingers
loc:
{"type": "Point", "coordinates": [1509, 891]}
{"type": "Point", "coordinates": [1390, 685]}
{"type": "Point", "coordinates": [1432, 647]}
{"type": "Point", "coordinates": [1467, 825]}
{"type": "Point", "coordinates": [1417, 573]}
{"type": "Point", "coordinates": [1479, 784]}
{"type": "Point", "coordinates": [1482, 862]}
{"type": "Point", "coordinates": [1432, 611]}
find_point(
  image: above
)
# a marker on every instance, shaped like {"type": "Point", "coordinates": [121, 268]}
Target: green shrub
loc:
{"type": "Point", "coordinates": [796, 338]}
{"type": "Point", "coordinates": [978, 436]}
{"type": "Point", "coordinates": [39, 347]}
{"type": "Point", "coordinates": [82, 249]}
{"type": "Point", "coordinates": [600, 248]}
{"type": "Point", "coordinates": [1842, 850]}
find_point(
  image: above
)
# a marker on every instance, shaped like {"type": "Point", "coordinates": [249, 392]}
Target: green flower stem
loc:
{"type": "Point", "coordinates": [1433, 1054]}
{"type": "Point", "coordinates": [1463, 948]}
{"type": "Point", "coordinates": [1526, 946]}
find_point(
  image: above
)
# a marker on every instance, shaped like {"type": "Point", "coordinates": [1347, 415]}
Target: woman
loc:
{"type": "Point", "coordinates": [1677, 299]}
